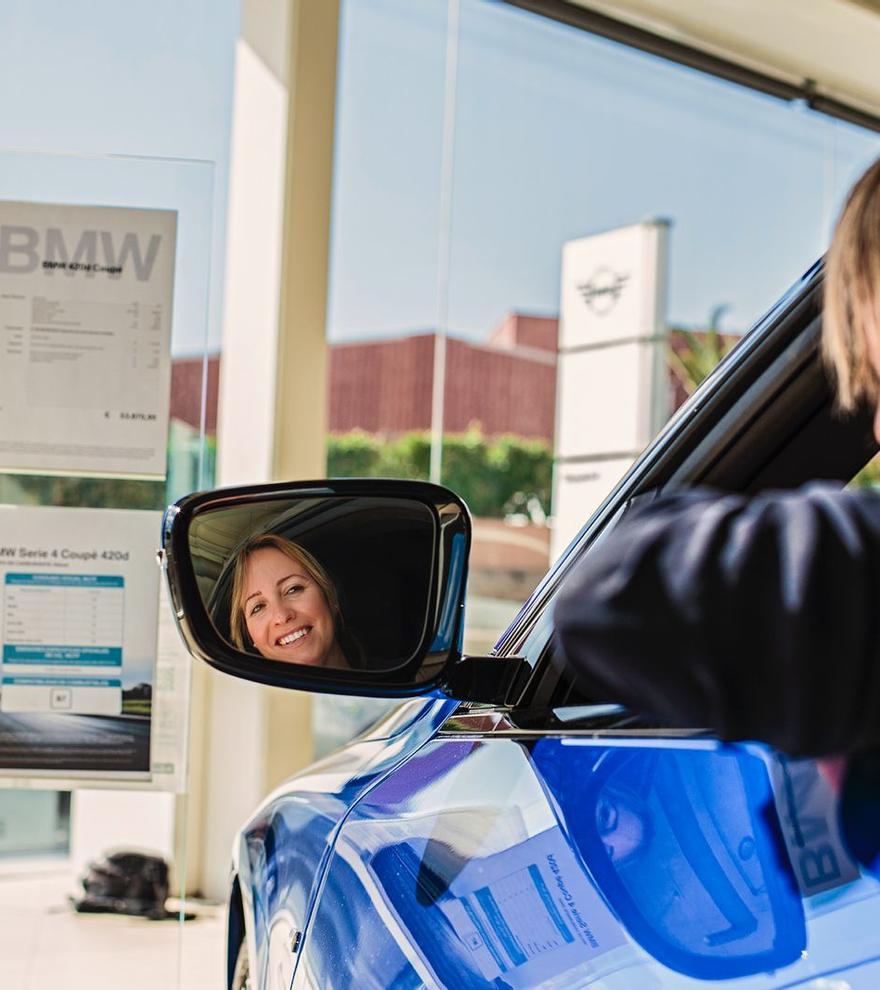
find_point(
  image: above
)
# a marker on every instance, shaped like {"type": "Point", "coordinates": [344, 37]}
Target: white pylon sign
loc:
{"type": "Point", "coordinates": [612, 391]}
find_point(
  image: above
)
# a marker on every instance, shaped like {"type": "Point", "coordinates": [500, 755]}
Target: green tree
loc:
{"type": "Point", "coordinates": [701, 352]}
{"type": "Point", "coordinates": [869, 476]}
{"type": "Point", "coordinates": [409, 456]}
{"type": "Point", "coordinates": [494, 476]}
{"type": "Point", "coordinates": [353, 455]}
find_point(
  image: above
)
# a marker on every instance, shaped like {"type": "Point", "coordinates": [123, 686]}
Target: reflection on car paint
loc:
{"type": "Point", "coordinates": [282, 851]}
{"type": "Point", "coordinates": [521, 916]}
{"type": "Point", "coordinates": [454, 579]}
{"type": "Point", "coordinates": [687, 848]}
{"type": "Point", "coordinates": [572, 863]}
{"type": "Point", "coordinates": [808, 812]}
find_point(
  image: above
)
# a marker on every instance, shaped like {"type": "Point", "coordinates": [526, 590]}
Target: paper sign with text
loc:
{"type": "Point", "coordinates": [86, 295]}
{"type": "Point", "coordinates": [78, 627]}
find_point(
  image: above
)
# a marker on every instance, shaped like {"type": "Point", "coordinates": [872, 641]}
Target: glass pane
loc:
{"type": "Point", "coordinates": [34, 822]}
{"type": "Point", "coordinates": [51, 832]}
{"type": "Point", "coordinates": [473, 141]}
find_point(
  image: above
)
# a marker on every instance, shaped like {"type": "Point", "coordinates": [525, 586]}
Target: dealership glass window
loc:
{"type": "Point", "coordinates": [61, 814]}
{"type": "Point", "coordinates": [34, 823]}
{"type": "Point", "coordinates": [473, 140]}
{"type": "Point", "coordinates": [132, 108]}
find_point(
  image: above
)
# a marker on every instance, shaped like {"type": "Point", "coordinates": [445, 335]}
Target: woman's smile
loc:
{"type": "Point", "coordinates": [289, 639]}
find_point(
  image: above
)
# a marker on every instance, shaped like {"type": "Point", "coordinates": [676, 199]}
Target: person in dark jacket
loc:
{"type": "Point", "coordinates": [757, 618]}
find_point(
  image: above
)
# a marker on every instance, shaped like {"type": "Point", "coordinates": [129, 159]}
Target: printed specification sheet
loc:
{"type": "Point", "coordinates": [63, 642]}
{"type": "Point", "coordinates": [79, 608]}
{"type": "Point", "coordinates": [86, 296]}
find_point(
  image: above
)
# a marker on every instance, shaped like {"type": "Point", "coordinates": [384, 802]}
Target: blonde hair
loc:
{"type": "Point", "coordinates": [270, 541]}
{"type": "Point", "coordinates": [852, 293]}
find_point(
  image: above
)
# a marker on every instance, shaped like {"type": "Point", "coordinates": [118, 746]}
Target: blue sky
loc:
{"type": "Point", "coordinates": [149, 83]}
{"type": "Point", "coordinates": [557, 135]}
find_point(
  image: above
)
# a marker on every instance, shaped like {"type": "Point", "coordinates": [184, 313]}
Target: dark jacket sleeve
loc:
{"type": "Point", "coordinates": [758, 618]}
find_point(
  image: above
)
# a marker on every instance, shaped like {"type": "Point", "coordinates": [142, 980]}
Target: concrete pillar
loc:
{"type": "Point", "coordinates": [301, 389]}
{"type": "Point", "coordinates": [272, 388]}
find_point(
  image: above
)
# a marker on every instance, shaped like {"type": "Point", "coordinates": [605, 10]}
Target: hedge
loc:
{"type": "Point", "coordinates": [494, 476]}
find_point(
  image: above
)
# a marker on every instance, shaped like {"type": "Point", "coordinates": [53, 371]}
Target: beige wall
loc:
{"type": "Point", "coordinates": [832, 43]}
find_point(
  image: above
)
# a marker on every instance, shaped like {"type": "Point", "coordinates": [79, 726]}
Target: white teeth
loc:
{"type": "Point", "coordinates": [293, 637]}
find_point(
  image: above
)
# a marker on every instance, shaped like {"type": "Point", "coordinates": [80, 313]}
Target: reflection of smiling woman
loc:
{"type": "Point", "coordinates": [284, 605]}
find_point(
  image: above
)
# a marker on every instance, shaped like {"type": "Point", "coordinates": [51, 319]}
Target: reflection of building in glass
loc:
{"type": "Point", "coordinates": [188, 377]}
{"type": "Point", "coordinates": [507, 385]}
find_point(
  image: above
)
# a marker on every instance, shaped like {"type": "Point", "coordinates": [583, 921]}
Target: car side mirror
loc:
{"type": "Point", "coordinates": [350, 586]}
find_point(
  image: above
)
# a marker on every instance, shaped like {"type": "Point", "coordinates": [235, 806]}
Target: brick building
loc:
{"type": "Point", "coordinates": [186, 391]}
{"type": "Point", "coordinates": [506, 385]}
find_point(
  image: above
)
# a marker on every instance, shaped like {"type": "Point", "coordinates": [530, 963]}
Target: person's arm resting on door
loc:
{"type": "Point", "coordinates": [757, 618]}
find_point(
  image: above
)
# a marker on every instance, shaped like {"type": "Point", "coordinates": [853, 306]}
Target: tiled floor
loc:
{"type": "Point", "coordinates": [45, 945]}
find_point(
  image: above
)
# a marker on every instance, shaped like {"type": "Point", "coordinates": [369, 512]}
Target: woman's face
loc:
{"type": "Point", "coordinates": [621, 824]}
{"type": "Point", "coordinates": [286, 613]}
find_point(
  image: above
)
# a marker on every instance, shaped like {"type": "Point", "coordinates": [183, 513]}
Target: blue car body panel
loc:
{"type": "Point", "coordinates": [572, 861]}
{"type": "Point", "coordinates": [485, 859]}
{"type": "Point", "coordinates": [282, 851]}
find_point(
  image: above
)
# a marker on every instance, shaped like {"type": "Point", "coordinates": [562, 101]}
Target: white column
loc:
{"type": "Point", "coordinates": [273, 334]}
{"type": "Point", "coordinates": [246, 412]}
{"type": "Point", "coordinates": [107, 819]}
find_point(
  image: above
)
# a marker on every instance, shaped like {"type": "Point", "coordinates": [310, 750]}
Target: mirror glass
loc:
{"type": "Point", "coordinates": [324, 581]}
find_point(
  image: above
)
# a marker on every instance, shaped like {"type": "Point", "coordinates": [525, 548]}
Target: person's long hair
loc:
{"type": "Point", "coordinates": [852, 293]}
{"type": "Point", "coordinates": [299, 555]}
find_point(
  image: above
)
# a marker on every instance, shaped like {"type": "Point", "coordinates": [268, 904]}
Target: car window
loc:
{"type": "Point", "coordinates": [556, 699]}
{"type": "Point", "coordinates": [869, 476]}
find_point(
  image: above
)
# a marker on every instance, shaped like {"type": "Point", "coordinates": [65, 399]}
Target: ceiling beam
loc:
{"type": "Point", "coordinates": [781, 86]}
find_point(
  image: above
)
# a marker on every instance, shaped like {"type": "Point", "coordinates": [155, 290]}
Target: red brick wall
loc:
{"type": "Point", "coordinates": [517, 330]}
{"type": "Point", "coordinates": [385, 387]}
{"type": "Point", "coordinates": [186, 391]}
{"type": "Point", "coordinates": [504, 393]}
{"type": "Point", "coordinates": [382, 386]}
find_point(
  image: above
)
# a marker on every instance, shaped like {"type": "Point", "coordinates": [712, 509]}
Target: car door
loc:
{"type": "Point", "coordinates": [498, 857]}
{"type": "Point", "coordinates": [560, 841]}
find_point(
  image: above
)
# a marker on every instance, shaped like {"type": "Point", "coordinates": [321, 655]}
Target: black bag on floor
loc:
{"type": "Point", "coordinates": [125, 883]}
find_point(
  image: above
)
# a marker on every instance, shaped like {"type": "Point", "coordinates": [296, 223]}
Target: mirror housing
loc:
{"type": "Point", "coordinates": [404, 540]}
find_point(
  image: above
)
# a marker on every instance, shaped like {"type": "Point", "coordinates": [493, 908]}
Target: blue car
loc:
{"type": "Point", "coordinates": [500, 828]}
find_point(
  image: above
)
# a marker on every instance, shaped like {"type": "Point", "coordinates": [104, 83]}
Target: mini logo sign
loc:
{"type": "Point", "coordinates": [602, 291]}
